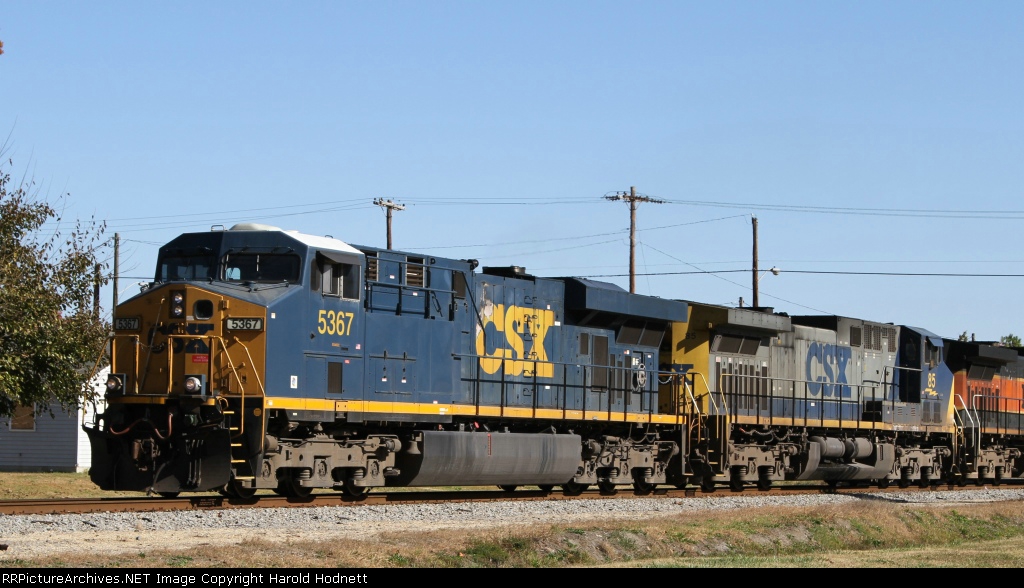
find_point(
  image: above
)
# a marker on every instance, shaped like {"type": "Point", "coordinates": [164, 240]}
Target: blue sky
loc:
{"type": "Point", "coordinates": [861, 136]}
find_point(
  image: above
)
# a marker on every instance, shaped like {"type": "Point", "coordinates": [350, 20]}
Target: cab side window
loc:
{"type": "Point", "coordinates": [339, 279]}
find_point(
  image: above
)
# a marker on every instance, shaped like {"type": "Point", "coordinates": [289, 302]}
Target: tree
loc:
{"type": "Point", "coordinates": [962, 337]}
{"type": "Point", "coordinates": [50, 334]}
{"type": "Point", "coordinates": [1010, 340]}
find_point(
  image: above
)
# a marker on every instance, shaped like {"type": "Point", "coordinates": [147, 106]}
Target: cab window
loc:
{"type": "Point", "coordinates": [261, 267]}
{"type": "Point", "coordinates": [340, 279]}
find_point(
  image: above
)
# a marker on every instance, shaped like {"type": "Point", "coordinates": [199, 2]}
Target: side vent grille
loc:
{"type": "Point", "coordinates": [414, 272]}
{"type": "Point", "coordinates": [371, 267]}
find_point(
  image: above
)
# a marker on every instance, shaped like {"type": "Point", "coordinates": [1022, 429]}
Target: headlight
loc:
{"type": "Point", "coordinates": [177, 304]}
{"type": "Point", "coordinates": [115, 383]}
{"type": "Point", "coordinates": [193, 384]}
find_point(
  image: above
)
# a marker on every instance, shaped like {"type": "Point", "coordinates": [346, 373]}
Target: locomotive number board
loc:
{"type": "Point", "coordinates": [130, 323]}
{"type": "Point", "coordinates": [244, 324]}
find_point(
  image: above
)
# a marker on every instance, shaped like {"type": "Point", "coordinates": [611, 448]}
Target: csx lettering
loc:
{"type": "Point", "coordinates": [335, 323]}
{"type": "Point", "coordinates": [190, 328]}
{"type": "Point", "coordinates": [525, 330]}
{"type": "Point", "coordinates": [188, 346]}
{"type": "Point", "coordinates": [829, 357]}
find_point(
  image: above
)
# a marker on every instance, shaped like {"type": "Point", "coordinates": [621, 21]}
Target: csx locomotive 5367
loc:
{"type": "Point", "coordinates": [267, 359]}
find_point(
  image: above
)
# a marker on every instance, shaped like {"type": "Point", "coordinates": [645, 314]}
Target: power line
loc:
{"type": "Point", "coordinates": [388, 206]}
{"type": "Point", "coordinates": [896, 274]}
{"type": "Point", "coordinates": [633, 199]}
{"type": "Point", "coordinates": [896, 212]}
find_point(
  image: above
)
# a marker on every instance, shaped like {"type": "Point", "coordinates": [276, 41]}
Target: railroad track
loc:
{"type": "Point", "coordinates": [214, 502]}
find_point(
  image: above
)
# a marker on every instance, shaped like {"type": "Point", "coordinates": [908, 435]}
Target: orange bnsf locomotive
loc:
{"type": "Point", "coordinates": [267, 359]}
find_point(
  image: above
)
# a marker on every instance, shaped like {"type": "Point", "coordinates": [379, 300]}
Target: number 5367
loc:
{"type": "Point", "coordinates": [335, 323]}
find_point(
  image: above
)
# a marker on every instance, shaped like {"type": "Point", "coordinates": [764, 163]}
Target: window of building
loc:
{"type": "Point", "coordinates": [24, 418]}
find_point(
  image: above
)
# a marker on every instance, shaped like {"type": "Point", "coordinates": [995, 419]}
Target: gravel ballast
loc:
{"type": "Point", "coordinates": [37, 536]}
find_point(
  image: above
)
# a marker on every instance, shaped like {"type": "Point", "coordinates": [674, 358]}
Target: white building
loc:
{"type": "Point", "coordinates": [39, 443]}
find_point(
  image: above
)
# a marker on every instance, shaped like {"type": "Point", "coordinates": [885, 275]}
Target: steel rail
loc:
{"type": "Point", "coordinates": [217, 502]}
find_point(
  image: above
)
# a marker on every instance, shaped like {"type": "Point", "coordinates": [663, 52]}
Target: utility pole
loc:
{"type": "Point", "coordinates": [633, 199]}
{"type": "Point", "coordinates": [388, 206]}
{"type": "Point", "coordinates": [96, 279]}
{"type": "Point", "coordinates": [756, 280]}
{"type": "Point", "coordinates": [117, 253]}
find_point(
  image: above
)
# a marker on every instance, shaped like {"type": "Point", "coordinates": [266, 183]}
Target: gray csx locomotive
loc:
{"type": "Point", "coordinates": [267, 359]}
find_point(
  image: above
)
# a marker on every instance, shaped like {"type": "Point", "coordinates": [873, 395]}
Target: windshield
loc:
{"type": "Point", "coordinates": [185, 267]}
{"type": "Point", "coordinates": [261, 267]}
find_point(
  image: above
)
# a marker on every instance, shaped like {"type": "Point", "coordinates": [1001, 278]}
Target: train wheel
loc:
{"type": "Point", "coordinates": [883, 483]}
{"type": "Point", "coordinates": [642, 488]}
{"type": "Point", "coordinates": [574, 488]}
{"type": "Point", "coordinates": [169, 494]}
{"type": "Point", "coordinates": [546, 487]}
{"type": "Point", "coordinates": [764, 484]}
{"type": "Point", "coordinates": [707, 485]}
{"type": "Point", "coordinates": [350, 489]}
{"type": "Point", "coordinates": [736, 485]}
{"type": "Point", "coordinates": [293, 489]}
{"type": "Point", "coordinates": [508, 487]}
{"type": "Point", "coordinates": [235, 489]}
{"type": "Point", "coordinates": [903, 483]}
{"type": "Point", "coordinates": [607, 487]}
{"type": "Point", "coordinates": [961, 480]}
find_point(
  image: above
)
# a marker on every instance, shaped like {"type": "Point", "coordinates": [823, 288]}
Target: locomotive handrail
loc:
{"type": "Point", "coordinates": [710, 393]}
{"type": "Point", "coordinates": [149, 350]}
{"type": "Point", "coordinates": [693, 399]}
{"type": "Point", "coordinates": [798, 381]}
{"type": "Point", "coordinates": [587, 368]}
{"type": "Point", "coordinates": [975, 425]}
{"type": "Point", "coordinates": [997, 411]}
{"type": "Point", "coordinates": [91, 397]}
{"type": "Point", "coordinates": [975, 397]}
{"type": "Point", "coordinates": [138, 343]}
{"type": "Point", "coordinates": [241, 386]}
{"type": "Point", "coordinates": [255, 372]}
{"type": "Point", "coordinates": [860, 401]}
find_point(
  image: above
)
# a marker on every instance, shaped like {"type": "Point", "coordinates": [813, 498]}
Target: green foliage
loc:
{"type": "Point", "coordinates": [50, 337]}
{"type": "Point", "coordinates": [1010, 340]}
{"type": "Point", "coordinates": [963, 337]}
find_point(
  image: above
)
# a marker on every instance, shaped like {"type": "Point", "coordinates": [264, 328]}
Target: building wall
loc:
{"type": "Point", "coordinates": [56, 444]}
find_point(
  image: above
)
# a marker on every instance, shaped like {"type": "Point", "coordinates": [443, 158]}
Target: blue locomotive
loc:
{"type": "Point", "coordinates": [260, 358]}
{"type": "Point", "coordinates": [263, 358]}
